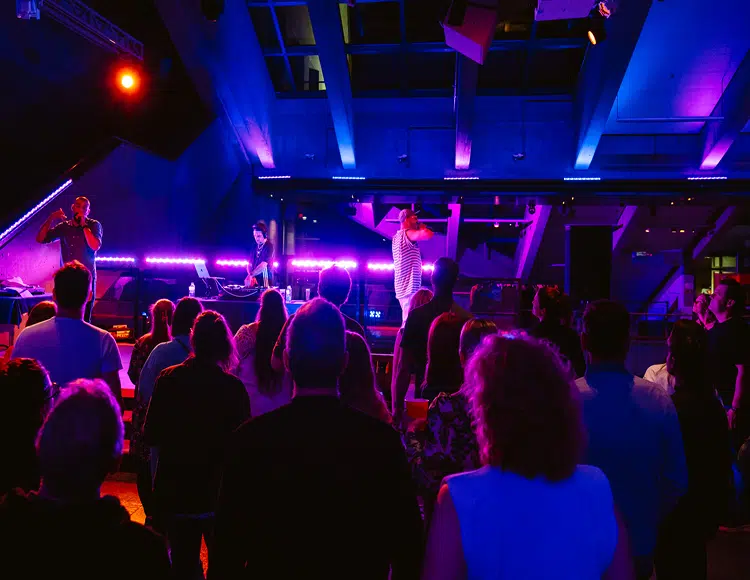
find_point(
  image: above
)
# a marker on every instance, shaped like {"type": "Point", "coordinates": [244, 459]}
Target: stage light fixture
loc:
{"type": "Point", "coordinates": [128, 80]}
{"type": "Point", "coordinates": [274, 177]}
{"type": "Point", "coordinates": [496, 225]}
{"type": "Point", "coordinates": [648, 231]}
{"type": "Point", "coordinates": [582, 178]}
{"type": "Point", "coordinates": [707, 178]}
{"type": "Point", "coordinates": [597, 31]}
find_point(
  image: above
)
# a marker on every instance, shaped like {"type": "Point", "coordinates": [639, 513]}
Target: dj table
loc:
{"type": "Point", "coordinates": [239, 312]}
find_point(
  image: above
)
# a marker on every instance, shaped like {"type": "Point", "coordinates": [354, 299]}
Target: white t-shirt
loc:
{"type": "Point", "coordinates": [658, 375]}
{"type": "Point", "coordinates": [69, 349]}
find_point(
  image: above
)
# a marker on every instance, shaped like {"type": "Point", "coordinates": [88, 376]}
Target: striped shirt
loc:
{"type": "Point", "coordinates": [407, 265]}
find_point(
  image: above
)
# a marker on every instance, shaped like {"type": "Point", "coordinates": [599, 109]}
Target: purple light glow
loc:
{"type": "Point", "coordinates": [232, 263]}
{"type": "Point", "coordinates": [274, 177]}
{"type": "Point", "coordinates": [320, 264]}
{"type": "Point", "coordinates": [115, 259]}
{"type": "Point", "coordinates": [388, 266]}
{"type": "Point", "coordinates": [348, 178]}
{"type": "Point", "coordinates": [463, 158]}
{"type": "Point", "coordinates": [32, 212]}
{"type": "Point", "coordinates": [191, 261]}
{"type": "Point", "coordinates": [582, 178]}
{"type": "Point", "coordinates": [707, 178]}
{"type": "Point", "coordinates": [237, 263]}
{"type": "Point", "coordinates": [462, 178]}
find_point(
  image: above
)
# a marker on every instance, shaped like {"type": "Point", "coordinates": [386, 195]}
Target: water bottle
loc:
{"type": "Point", "coordinates": [288, 293]}
{"type": "Point", "coordinates": [191, 290]}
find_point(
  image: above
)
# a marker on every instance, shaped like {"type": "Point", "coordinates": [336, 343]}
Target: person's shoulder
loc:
{"type": "Point", "coordinates": [39, 329]}
{"type": "Point", "coordinates": [421, 312]}
{"type": "Point", "coordinates": [257, 430]}
{"type": "Point", "coordinates": [591, 474]}
{"type": "Point", "coordinates": [353, 326]}
{"type": "Point", "coordinates": [247, 329]}
{"type": "Point", "coordinates": [469, 478]}
{"type": "Point", "coordinates": [174, 371]}
{"type": "Point", "coordinates": [652, 396]}
{"type": "Point", "coordinates": [161, 347]}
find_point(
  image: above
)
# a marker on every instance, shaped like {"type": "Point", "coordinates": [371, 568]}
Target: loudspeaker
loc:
{"type": "Point", "coordinates": [470, 27]}
{"type": "Point", "coordinates": [588, 263]}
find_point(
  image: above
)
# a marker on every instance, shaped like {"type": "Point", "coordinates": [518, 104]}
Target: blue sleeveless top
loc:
{"type": "Point", "coordinates": [518, 528]}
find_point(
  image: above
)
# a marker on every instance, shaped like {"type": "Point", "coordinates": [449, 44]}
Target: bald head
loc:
{"type": "Point", "coordinates": [316, 345]}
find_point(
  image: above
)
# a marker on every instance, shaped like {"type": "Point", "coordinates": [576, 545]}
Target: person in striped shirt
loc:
{"type": "Point", "coordinates": [407, 260]}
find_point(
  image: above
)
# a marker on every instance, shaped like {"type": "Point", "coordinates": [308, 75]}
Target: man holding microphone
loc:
{"type": "Point", "coordinates": [80, 239]}
{"type": "Point", "coordinates": [407, 260]}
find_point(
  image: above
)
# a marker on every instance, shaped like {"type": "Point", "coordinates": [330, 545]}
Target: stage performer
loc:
{"type": "Point", "coordinates": [259, 266]}
{"type": "Point", "coordinates": [80, 239]}
{"type": "Point", "coordinates": [407, 260]}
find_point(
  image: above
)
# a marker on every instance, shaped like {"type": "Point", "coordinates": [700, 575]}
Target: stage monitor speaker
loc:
{"type": "Point", "coordinates": [470, 27]}
{"type": "Point", "coordinates": [588, 263]}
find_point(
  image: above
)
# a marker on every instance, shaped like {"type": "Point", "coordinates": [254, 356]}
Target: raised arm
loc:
{"type": "Point", "coordinates": [422, 234]}
{"type": "Point", "coordinates": [41, 236]}
{"type": "Point", "coordinates": [92, 231]}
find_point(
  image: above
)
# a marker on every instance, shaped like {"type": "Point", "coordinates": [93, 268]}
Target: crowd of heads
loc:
{"type": "Point", "coordinates": [526, 411]}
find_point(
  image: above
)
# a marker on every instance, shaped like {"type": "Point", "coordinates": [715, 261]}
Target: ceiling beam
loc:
{"type": "Point", "coordinates": [720, 227]}
{"type": "Point", "coordinates": [541, 44]}
{"type": "Point", "coordinates": [240, 88]}
{"type": "Point", "coordinates": [464, 100]}
{"type": "Point", "coordinates": [734, 106]}
{"type": "Point", "coordinates": [531, 240]}
{"type": "Point", "coordinates": [602, 73]}
{"type": "Point", "coordinates": [329, 43]}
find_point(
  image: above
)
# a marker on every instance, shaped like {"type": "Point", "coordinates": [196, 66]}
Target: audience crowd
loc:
{"type": "Point", "coordinates": [538, 454]}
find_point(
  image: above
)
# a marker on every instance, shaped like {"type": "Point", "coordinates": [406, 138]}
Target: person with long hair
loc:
{"type": "Point", "coordinates": [681, 548]}
{"type": "Point", "coordinates": [532, 511]}
{"type": "Point", "coordinates": [444, 373]}
{"type": "Point", "coordinates": [267, 388]}
{"type": "Point", "coordinates": [548, 308]}
{"type": "Point", "coordinates": [357, 385]}
{"type": "Point", "coordinates": [445, 444]}
{"type": "Point", "coordinates": [195, 408]}
{"type": "Point", "coordinates": [161, 331]}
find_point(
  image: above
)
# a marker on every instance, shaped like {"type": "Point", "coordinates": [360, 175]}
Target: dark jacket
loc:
{"type": "Point", "coordinates": [316, 490]}
{"type": "Point", "coordinates": [194, 410]}
{"type": "Point", "coordinates": [43, 539]}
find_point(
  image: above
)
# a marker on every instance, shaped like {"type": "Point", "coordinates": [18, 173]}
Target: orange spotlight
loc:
{"type": "Point", "coordinates": [128, 80]}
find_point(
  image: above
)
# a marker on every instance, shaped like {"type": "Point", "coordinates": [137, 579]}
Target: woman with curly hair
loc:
{"type": "Point", "coordinates": [531, 511]}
